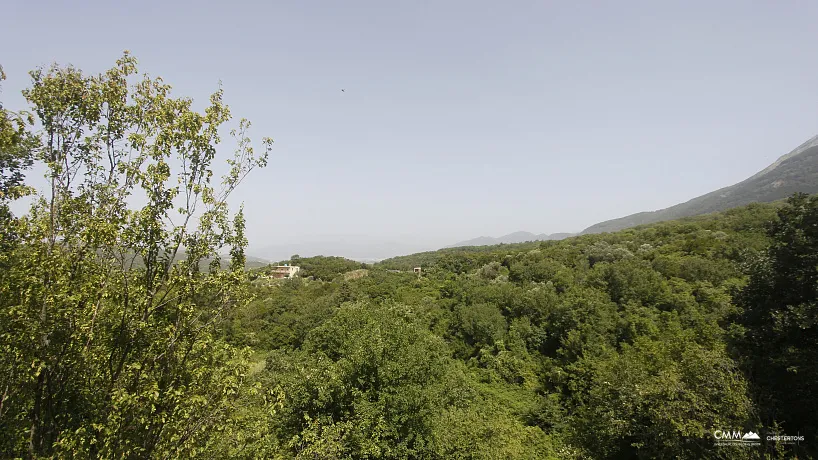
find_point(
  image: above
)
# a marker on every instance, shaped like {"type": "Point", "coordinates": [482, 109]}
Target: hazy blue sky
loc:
{"type": "Point", "coordinates": [463, 118]}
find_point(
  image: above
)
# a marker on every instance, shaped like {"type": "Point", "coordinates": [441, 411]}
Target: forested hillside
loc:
{"type": "Point", "coordinates": [325, 268]}
{"type": "Point", "coordinates": [651, 342]}
{"type": "Point", "coordinates": [640, 343]}
{"type": "Point", "coordinates": [795, 172]}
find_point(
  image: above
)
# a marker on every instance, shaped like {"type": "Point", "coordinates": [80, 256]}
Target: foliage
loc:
{"type": "Point", "coordinates": [602, 346]}
{"type": "Point", "coordinates": [780, 314]}
{"type": "Point", "coordinates": [16, 150]}
{"type": "Point", "coordinates": [319, 267]}
{"type": "Point", "coordinates": [658, 397]}
{"type": "Point", "coordinates": [101, 356]}
{"type": "Point", "coordinates": [599, 346]}
{"type": "Point", "coordinates": [124, 334]}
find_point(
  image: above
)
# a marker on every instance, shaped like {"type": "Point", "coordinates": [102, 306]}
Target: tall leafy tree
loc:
{"type": "Point", "coordinates": [781, 318]}
{"type": "Point", "coordinates": [108, 343]}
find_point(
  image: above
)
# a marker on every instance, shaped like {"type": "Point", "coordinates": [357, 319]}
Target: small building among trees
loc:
{"type": "Point", "coordinates": [283, 271]}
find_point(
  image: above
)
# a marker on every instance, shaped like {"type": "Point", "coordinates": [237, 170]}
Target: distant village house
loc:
{"type": "Point", "coordinates": [283, 271]}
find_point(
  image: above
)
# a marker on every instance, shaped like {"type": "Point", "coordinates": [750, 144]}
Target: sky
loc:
{"type": "Point", "coordinates": [461, 118]}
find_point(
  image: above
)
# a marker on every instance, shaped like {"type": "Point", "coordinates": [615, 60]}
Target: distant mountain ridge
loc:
{"type": "Point", "coordinates": [511, 238]}
{"type": "Point", "coordinates": [794, 172]}
{"type": "Point", "coordinates": [355, 247]}
{"type": "Point", "coordinates": [797, 171]}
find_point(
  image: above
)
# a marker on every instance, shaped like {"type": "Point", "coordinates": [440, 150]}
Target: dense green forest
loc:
{"type": "Point", "coordinates": [645, 343]}
{"type": "Point", "coordinates": [640, 343]}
